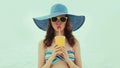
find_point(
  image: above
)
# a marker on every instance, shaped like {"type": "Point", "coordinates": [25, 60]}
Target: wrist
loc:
{"type": "Point", "coordinates": [53, 56]}
{"type": "Point", "coordinates": [67, 59]}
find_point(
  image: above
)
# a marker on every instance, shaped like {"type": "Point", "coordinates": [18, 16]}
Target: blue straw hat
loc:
{"type": "Point", "coordinates": [56, 10]}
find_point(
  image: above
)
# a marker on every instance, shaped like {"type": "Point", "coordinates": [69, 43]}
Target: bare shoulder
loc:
{"type": "Point", "coordinates": [77, 44]}
{"type": "Point", "coordinates": [41, 45]}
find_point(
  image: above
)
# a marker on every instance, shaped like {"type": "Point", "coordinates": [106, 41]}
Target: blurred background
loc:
{"type": "Point", "coordinates": [99, 37]}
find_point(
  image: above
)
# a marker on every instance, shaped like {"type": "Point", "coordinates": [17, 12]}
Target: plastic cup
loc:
{"type": "Point", "coordinates": [60, 41]}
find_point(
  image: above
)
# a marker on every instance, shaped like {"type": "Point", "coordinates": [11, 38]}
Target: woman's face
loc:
{"type": "Point", "coordinates": [59, 22]}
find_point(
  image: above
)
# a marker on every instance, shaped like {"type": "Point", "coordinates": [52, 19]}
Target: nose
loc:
{"type": "Point", "coordinates": [58, 22]}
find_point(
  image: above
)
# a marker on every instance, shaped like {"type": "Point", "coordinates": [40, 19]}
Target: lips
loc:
{"type": "Point", "coordinates": [58, 26]}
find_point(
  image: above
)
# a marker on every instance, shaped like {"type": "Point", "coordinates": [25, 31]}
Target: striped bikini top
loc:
{"type": "Point", "coordinates": [48, 53]}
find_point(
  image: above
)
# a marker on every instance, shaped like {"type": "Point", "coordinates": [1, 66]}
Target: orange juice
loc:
{"type": "Point", "coordinates": [60, 40]}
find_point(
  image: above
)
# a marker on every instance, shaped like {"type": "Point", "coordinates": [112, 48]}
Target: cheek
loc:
{"type": "Point", "coordinates": [63, 25]}
{"type": "Point", "coordinates": [53, 25]}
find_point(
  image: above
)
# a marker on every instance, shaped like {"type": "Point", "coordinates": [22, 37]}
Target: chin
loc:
{"type": "Point", "coordinates": [58, 30]}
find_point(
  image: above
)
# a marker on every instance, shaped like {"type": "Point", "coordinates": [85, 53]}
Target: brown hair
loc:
{"type": "Point", "coordinates": [67, 32]}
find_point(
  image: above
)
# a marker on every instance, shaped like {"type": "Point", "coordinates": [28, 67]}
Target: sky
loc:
{"type": "Point", "coordinates": [99, 37]}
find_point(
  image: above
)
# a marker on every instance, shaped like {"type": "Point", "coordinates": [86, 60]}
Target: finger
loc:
{"type": "Point", "coordinates": [58, 49]}
{"type": "Point", "coordinates": [58, 52]}
{"type": "Point", "coordinates": [55, 45]}
{"type": "Point", "coordinates": [63, 54]}
{"type": "Point", "coordinates": [63, 48]}
{"type": "Point", "coordinates": [62, 51]}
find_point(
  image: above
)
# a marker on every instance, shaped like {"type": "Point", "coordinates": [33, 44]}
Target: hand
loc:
{"type": "Point", "coordinates": [64, 53]}
{"type": "Point", "coordinates": [56, 50]}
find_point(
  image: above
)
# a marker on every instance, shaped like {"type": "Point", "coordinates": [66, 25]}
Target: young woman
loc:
{"type": "Point", "coordinates": [50, 55]}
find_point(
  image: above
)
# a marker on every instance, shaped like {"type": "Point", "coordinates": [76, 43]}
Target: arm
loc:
{"type": "Point", "coordinates": [41, 57]}
{"type": "Point", "coordinates": [78, 60]}
{"type": "Point", "coordinates": [78, 63]}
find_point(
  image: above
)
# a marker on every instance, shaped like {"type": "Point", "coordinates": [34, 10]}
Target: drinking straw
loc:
{"type": "Point", "coordinates": [59, 32]}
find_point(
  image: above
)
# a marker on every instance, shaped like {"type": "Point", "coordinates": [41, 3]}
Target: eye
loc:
{"type": "Point", "coordinates": [54, 19]}
{"type": "Point", "coordinates": [63, 19]}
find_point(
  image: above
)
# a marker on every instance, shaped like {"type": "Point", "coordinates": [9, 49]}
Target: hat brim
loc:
{"type": "Point", "coordinates": [76, 21]}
